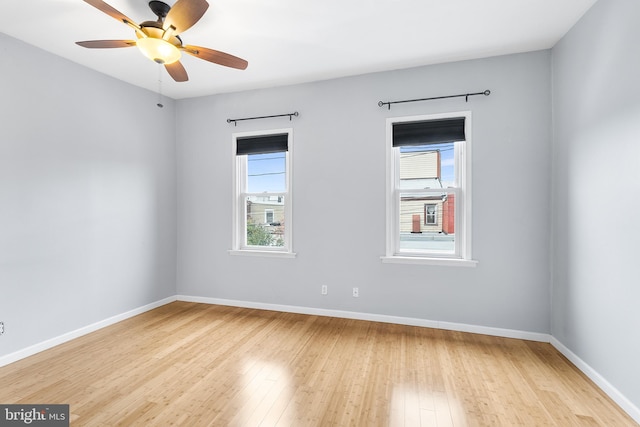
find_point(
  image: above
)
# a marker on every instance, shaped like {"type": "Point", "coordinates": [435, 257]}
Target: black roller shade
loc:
{"type": "Point", "coordinates": [262, 144]}
{"type": "Point", "coordinates": [428, 132]}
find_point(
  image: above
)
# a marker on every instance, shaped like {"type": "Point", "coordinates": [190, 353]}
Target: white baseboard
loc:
{"type": "Point", "coordinates": [45, 345]}
{"type": "Point", "coordinates": [609, 389]}
{"type": "Point", "coordinates": [606, 386]}
{"type": "Point", "coordinates": [460, 327]}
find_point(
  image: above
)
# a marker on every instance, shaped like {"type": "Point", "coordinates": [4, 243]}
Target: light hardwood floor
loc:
{"type": "Point", "coordinates": [205, 365]}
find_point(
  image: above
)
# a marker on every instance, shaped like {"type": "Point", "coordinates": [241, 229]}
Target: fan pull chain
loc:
{"type": "Point", "coordinates": [159, 104]}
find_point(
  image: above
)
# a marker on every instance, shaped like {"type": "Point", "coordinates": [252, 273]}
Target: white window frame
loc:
{"type": "Point", "coordinates": [266, 215]}
{"type": "Point", "coordinates": [239, 210]}
{"type": "Point", "coordinates": [435, 214]}
{"type": "Point", "coordinates": [462, 253]}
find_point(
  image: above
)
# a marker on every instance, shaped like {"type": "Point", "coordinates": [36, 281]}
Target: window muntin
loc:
{"type": "Point", "coordinates": [262, 207]}
{"type": "Point", "coordinates": [428, 197]}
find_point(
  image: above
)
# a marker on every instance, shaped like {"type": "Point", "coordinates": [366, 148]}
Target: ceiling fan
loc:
{"type": "Point", "coordinates": [160, 41]}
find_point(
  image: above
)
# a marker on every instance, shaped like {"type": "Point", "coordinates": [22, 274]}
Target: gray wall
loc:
{"type": "Point", "coordinates": [87, 196]}
{"type": "Point", "coordinates": [596, 175]}
{"type": "Point", "coordinates": [340, 243]}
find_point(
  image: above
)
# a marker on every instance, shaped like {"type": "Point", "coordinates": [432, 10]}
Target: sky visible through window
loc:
{"type": "Point", "coordinates": [266, 173]}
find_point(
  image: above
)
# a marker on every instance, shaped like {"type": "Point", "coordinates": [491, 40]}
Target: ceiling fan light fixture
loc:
{"type": "Point", "coordinates": [158, 50]}
{"type": "Point", "coordinates": [160, 41]}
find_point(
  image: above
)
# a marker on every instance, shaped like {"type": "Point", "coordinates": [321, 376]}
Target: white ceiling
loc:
{"type": "Point", "coordinates": [295, 41]}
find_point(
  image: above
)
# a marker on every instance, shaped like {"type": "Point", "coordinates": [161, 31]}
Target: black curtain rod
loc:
{"type": "Point", "coordinates": [235, 121]}
{"type": "Point", "coordinates": [465, 95]}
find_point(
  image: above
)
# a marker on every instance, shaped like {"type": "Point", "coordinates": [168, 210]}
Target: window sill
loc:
{"type": "Point", "coordinates": [451, 262]}
{"type": "Point", "coordinates": [268, 254]}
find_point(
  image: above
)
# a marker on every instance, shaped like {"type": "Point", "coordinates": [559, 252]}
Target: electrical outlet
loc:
{"type": "Point", "coordinates": [324, 290]}
{"type": "Point", "coordinates": [356, 292]}
{"type": "Point", "coordinates": [1, 328]}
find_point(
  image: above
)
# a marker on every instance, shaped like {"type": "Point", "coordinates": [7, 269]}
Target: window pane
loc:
{"type": "Point", "coordinates": [265, 220]}
{"type": "Point", "coordinates": [427, 166]}
{"type": "Point", "coordinates": [427, 222]}
{"type": "Point", "coordinates": [266, 172]}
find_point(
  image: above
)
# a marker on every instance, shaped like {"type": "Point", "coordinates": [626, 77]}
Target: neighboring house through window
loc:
{"type": "Point", "coordinates": [429, 189]}
{"type": "Point", "coordinates": [262, 193]}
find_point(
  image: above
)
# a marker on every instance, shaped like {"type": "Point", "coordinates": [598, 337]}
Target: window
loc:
{"type": "Point", "coordinates": [429, 189]}
{"type": "Point", "coordinates": [262, 193]}
{"type": "Point", "coordinates": [268, 214]}
{"type": "Point", "coordinates": [430, 214]}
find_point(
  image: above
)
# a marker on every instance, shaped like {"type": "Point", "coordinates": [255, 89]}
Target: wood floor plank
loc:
{"type": "Point", "coordinates": [189, 364]}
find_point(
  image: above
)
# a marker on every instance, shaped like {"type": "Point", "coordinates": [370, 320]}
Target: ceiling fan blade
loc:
{"type": "Point", "coordinates": [109, 10]}
{"type": "Point", "coordinates": [177, 71]}
{"type": "Point", "coordinates": [183, 14]}
{"type": "Point", "coordinates": [216, 57]}
{"type": "Point", "coordinates": [101, 44]}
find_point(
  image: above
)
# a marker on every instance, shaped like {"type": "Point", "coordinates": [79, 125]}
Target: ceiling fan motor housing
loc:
{"type": "Point", "coordinates": [159, 8]}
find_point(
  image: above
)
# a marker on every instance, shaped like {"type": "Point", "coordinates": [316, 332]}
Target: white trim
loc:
{"type": "Point", "coordinates": [238, 173]}
{"type": "Point", "coordinates": [266, 216]}
{"type": "Point", "coordinates": [420, 260]}
{"type": "Point", "coordinates": [606, 386]}
{"type": "Point", "coordinates": [263, 253]}
{"type": "Point", "coordinates": [619, 398]}
{"type": "Point", "coordinates": [434, 214]}
{"type": "Point", "coordinates": [463, 204]}
{"type": "Point", "coordinates": [409, 321]}
{"type": "Point", "coordinates": [52, 342]}
{"type": "Point", "coordinates": [466, 176]}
